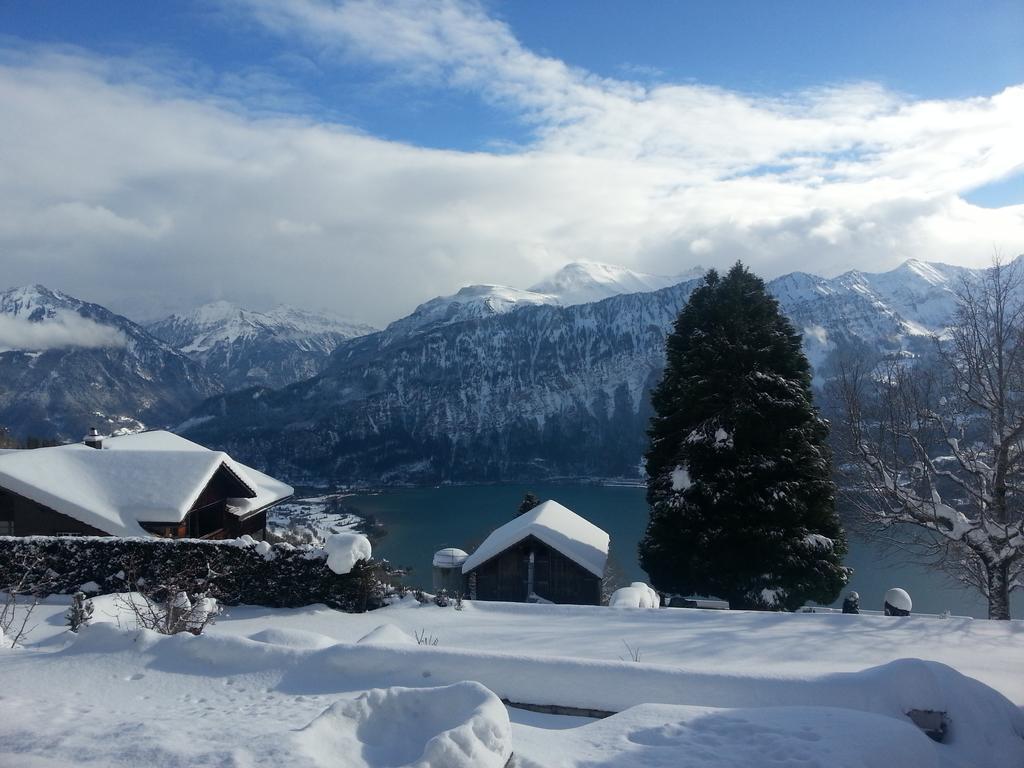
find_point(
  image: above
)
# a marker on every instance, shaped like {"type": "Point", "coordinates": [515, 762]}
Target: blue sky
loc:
{"type": "Point", "coordinates": [405, 148]}
{"type": "Point", "coordinates": [929, 49]}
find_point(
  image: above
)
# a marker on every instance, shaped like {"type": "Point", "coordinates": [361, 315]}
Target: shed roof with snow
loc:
{"type": "Point", "coordinates": [153, 477]}
{"type": "Point", "coordinates": [559, 527]}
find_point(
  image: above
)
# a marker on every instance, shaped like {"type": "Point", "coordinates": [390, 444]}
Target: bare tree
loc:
{"type": "Point", "coordinates": [939, 444]}
{"type": "Point", "coordinates": [169, 610]}
{"type": "Point", "coordinates": [18, 601]}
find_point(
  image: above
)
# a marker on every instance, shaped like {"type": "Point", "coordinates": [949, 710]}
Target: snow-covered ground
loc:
{"type": "Point", "coordinates": [313, 518]}
{"type": "Point", "coordinates": [282, 687]}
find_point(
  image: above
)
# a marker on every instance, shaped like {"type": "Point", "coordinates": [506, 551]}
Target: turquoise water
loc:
{"type": "Point", "coordinates": [419, 521]}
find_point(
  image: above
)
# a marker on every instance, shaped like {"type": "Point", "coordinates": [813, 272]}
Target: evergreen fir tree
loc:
{"type": "Point", "coordinates": [529, 501]}
{"type": "Point", "coordinates": [739, 471]}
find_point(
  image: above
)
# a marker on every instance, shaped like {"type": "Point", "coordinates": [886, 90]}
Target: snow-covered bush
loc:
{"type": "Point", "coordinates": [80, 612]}
{"type": "Point", "coordinates": [169, 610]}
{"type": "Point", "coordinates": [636, 595]}
{"type": "Point", "coordinates": [344, 550]}
{"type": "Point", "coordinates": [233, 572]}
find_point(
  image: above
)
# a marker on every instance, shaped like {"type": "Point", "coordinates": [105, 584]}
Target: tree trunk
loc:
{"type": "Point", "coordinates": [998, 590]}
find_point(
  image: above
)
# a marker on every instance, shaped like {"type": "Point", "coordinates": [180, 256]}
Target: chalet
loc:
{"type": "Point", "coordinates": [147, 484]}
{"type": "Point", "coordinates": [550, 554]}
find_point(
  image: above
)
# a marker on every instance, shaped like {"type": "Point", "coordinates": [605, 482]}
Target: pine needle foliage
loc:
{"type": "Point", "coordinates": [739, 470]}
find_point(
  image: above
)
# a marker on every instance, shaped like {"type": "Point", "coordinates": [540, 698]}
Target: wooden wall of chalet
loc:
{"type": "Point", "coordinates": [30, 518]}
{"type": "Point", "coordinates": [555, 576]}
{"type": "Point", "coordinates": [33, 519]}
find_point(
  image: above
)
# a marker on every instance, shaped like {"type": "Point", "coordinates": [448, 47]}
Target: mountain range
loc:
{"type": "Point", "coordinates": [242, 348]}
{"type": "Point", "coordinates": [66, 365]}
{"type": "Point", "coordinates": [491, 383]}
{"type": "Point", "coordinates": [527, 389]}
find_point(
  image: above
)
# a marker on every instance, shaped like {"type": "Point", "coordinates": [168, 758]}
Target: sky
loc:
{"type": "Point", "coordinates": [363, 157]}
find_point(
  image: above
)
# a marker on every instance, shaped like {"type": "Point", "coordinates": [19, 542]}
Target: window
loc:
{"type": "Point", "coordinates": [6, 527]}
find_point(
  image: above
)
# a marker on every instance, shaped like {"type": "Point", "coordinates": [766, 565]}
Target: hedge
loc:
{"type": "Point", "coordinates": [234, 572]}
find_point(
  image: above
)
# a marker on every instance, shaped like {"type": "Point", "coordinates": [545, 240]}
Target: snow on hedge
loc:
{"type": "Point", "coordinates": [558, 527]}
{"type": "Point", "coordinates": [345, 549]}
{"type": "Point", "coordinates": [462, 725]}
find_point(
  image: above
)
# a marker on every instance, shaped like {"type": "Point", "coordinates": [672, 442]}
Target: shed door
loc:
{"type": "Point", "coordinates": [512, 576]}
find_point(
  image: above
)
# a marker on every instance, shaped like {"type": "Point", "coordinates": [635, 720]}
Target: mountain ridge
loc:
{"type": "Point", "coordinates": [75, 364]}
{"type": "Point", "coordinates": [540, 392]}
{"type": "Point", "coordinates": [244, 347]}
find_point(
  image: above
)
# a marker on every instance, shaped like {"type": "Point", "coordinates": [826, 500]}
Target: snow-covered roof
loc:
{"type": "Point", "coordinates": [558, 527]}
{"type": "Point", "coordinates": [146, 477]}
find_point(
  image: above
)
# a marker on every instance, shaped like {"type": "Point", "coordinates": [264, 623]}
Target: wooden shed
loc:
{"type": "Point", "coordinates": [550, 554]}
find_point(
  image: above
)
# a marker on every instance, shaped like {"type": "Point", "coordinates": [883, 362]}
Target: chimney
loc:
{"type": "Point", "coordinates": [94, 439]}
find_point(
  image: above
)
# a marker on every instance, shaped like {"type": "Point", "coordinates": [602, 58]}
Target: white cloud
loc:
{"type": "Point", "coordinates": [132, 189]}
{"type": "Point", "coordinates": [64, 330]}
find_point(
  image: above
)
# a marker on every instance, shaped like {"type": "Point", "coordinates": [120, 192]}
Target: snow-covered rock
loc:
{"type": "Point", "coordinates": [345, 549]}
{"type": "Point", "coordinates": [456, 726]}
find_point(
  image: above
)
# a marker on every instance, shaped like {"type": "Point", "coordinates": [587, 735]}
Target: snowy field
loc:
{"type": "Point", "coordinates": [281, 687]}
{"type": "Point", "coordinates": [312, 519]}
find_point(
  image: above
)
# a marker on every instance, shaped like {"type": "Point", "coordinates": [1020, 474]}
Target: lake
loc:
{"type": "Point", "coordinates": [419, 521]}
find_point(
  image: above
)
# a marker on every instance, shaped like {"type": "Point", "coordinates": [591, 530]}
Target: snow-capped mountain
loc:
{"type": "Point", "coordinates": [67, 365]}
{"type": "Point", "coordinates": [474, 302]}
{"type": "Point", "coordinates": [542, 391]}
{"type": "Point", "coordinates": [243, 348]}
{"type": "Point", "coordinates": [582, 282]}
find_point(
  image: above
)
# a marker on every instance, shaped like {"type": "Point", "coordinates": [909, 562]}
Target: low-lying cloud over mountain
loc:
{"type": "Point", "coordinates": [63, 331]}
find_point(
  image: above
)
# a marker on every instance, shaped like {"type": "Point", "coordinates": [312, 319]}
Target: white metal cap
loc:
{"type": "Point", "coordinates": [449, 557]}
{"type": "Point", "coordinates": [898, 598]}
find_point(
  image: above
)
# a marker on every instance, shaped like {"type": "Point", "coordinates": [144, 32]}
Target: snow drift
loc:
{"type": "Point", "coordinates": [457, 726]}
{"type": "Point", "coordinates": [987, 729]}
